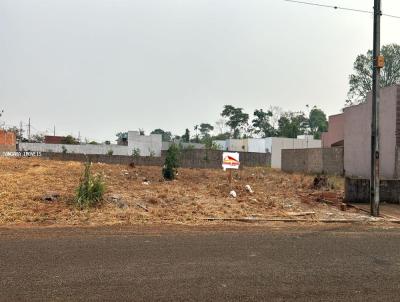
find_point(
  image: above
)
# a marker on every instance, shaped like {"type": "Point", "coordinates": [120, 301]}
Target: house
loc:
{"type": "Point", "coordinates": [334, 137]}
{"type": "Point", "coordinates": [8, 141]}
{"type": "Point", "coordinates": [53, 139]}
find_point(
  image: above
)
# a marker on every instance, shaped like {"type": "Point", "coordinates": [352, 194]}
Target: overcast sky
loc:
{"type": "Point", "coordinates": [103, 66]}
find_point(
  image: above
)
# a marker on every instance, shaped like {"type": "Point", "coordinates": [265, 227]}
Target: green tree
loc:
{"type": "Point", "coordinates": [237, 119]}
{"type": "Point", "coordinates": [70, 140]}
{"type": "Point", "coordinates": [262, 124]}
{"type": "Point", "coordinates": [171, 164]}
{"type": "Point", "coordinates": [166, 135]}
{"type": "Point", "coordinates": [360, 81]}
{"type": "Point", "coordinates": [205, 129]}
{"type": "Point", "coordinates": [292, 124]}
{"type": "Point", "coordinates": [317, 122]}
{"type": "Point", "coordinates": [186, 137]}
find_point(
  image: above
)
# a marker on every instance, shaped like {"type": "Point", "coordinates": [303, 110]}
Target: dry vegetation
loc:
{"type": "Point", "coordinates": [139, 195]}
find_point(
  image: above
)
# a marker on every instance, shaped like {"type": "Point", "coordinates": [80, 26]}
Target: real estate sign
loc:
{"type": "Point", "coordinates": [230, 160]}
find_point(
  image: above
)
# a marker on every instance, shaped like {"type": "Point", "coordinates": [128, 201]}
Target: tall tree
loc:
{"type": "Point", "coordinates": [205, 129]}
{"type": "Point", "coordinates": [360, 81]}
{"type": "Point", "coordinates": [186, 136]}
{"type": "Point", "coordinates": [262, 124]}
{"type": "Point", "coordinates": [317, 122]}
{"type": "Point", "coordinates": [165, 135]}
{"type": "Point", "coordinates": [237, 119]}
{"type": "Point", "coordinates": [292, 124]}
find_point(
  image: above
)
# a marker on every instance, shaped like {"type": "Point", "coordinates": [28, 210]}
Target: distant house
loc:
{"type": "Point", "coordinates": [334, 137]}
{"type": "Point", "coordinates": [8, 140]}
{"type": "Point", "coordinates": [52, 139]}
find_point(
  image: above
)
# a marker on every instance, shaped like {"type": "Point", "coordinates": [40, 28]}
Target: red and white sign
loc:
{"type": "Point", "coordinates": [230, 160]}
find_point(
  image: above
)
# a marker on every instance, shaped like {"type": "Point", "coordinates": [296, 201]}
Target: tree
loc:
{"type": "Point", "coordinates": [122, 138]}
{"type": "Point", "coordinates": [261, 123]}
{"type": "Point", "coordinates": [166, 135]}
{"type": "Point", "coordinates": [186, 136]}
{"type": "Point", "coordinates": [205, 129]}
{"type": "Point", "coordinates": [317, 122]}
{"type": "Point", "coordinates": [237, 119]}
{"type": "Point", "coordinates": [360, 81]}
{"type": "Point", "coordinates": [171, 164]}
{"type": "Point", "coordinates": [70, 140]}
{"type": "Point", "coordinates": [292, 124]}
{"type": "Point", "coordinates": [37, 138]}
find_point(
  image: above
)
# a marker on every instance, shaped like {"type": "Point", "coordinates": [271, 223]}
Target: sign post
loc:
{"type": "Point", "coordinates": [230, 160]}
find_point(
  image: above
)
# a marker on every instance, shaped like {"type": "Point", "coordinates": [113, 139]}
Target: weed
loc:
{"type": "Point", "coordinates": [90, 190]}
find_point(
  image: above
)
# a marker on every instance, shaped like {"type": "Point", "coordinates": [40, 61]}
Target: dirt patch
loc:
{"type": "Point", "coordinates": [196, 194]}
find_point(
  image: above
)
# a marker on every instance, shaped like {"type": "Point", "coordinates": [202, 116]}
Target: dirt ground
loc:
{"type": "Point", "coordinates": [137, 195]}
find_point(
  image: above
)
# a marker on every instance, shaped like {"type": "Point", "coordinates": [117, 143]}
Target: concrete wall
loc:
{"type": "Point", "coordinates": [335, 132]}
{"type": "Point", "coordinates": [221, 144]}
{"type": "Point", "coordinates": [357, 135]}
{"type": "Point", "coordinates": [277, 144]}
{"type": "Point", "coordinates": [314, 160]}
{"type": "Point", "coordinates": [147, 144]}
{"type": "Point", "coordinates": [166, 145]}
{"type": "Point", "coordinates": [237, 145]}
{"type": "Point", "coordinates": [357, 190]}
{"type": "Point", "coordinates": [81, 149]}
{"type": "Point", "coordinates": [188, 159]}
{"type": "Point", "coordinates": [256, 145]}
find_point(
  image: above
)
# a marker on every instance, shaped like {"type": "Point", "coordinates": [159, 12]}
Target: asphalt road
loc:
{"type": "Point", "coordinates": [174, 264]}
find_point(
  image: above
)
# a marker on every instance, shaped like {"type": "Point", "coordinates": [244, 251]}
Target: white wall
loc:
{"type": "Point", "coordinates": [256, 145]}
{"type": "Point", "coordinates": [237, 145]}
{"type": "Point", "coordinates": [84, 149]}
{"type": "Point", "coordinates": [279, 143]}
{"type": "Point", "coordinates": [147, 144]}
{"type": "Point", "coordinates": [221, 144]}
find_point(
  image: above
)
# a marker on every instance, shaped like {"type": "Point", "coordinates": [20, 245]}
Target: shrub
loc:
{"type": "Point", "coordinates": [110, 152]}
{"type": "Point", "coordinates": [64, 150]}
{"type": "Point", "coordinates": [136, 152]}
{"type": "Point", "coordinates": [91, 188]}
{"type": "Point", "coordinates": [171, 162]}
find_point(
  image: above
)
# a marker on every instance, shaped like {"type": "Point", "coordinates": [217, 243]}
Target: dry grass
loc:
{"type": "Point", "coordinates": [195, 195]}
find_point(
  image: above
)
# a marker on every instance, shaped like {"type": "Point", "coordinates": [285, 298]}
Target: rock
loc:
{"type": "Point", "coordinates": [51, 197]}
{"type": "Point", "coordinates": [118, 201]}
{"type": "Point", "coordinates": [248, 189]}
{"type": "Point", "coordinates": [232, 194]}
{"type": "Point", "coordinates": [146, 183]}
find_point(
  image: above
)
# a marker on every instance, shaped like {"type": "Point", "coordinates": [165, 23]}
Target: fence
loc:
{"type": "Point", "coordinates": [189, 159]}
{"type": "Point", "coordinates": [314, 160]}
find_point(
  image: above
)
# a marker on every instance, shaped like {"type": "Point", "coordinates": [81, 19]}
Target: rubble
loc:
{"type": "Point", "coordinates": [249, 189]}
{"type": "Point", "coordinates": [232, 194]}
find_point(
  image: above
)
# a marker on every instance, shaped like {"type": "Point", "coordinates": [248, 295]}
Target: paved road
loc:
{"type": "Point", "coordinates": [147, 264]}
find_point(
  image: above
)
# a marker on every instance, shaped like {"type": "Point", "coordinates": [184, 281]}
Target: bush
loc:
{"type": "Point", "coordinates": [91, 189]}
{"type": "Point", "coordinates": [136, 152]}
{"type": "Point", "coordinates": [110, 152]}
{"type": "Point", "coordinates": [171, 164]}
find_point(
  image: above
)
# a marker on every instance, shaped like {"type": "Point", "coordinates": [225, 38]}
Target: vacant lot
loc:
{"type": "Point", "coordinates": [137, 195]}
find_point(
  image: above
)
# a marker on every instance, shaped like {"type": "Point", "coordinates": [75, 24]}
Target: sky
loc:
{"type": "Point", "coordinates": [98, 67]}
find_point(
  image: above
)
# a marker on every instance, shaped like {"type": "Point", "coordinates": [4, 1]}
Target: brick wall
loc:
{"type": "Point", "coordinates": [7, 138]}
{"type": "Point", "coordinates": [211, 159]}
{"type": "Point", "coordinates": [314, 160]}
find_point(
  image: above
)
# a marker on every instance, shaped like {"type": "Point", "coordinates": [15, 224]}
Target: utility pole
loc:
{"type": "Point", "coordinates": [29, 130]}
{"type": "Point", "coordinates": [54, 130]}
{"type": "Point", "coordinates": [378, 63]}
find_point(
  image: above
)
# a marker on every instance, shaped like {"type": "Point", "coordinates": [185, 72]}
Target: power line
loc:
{"type": "Point", "coordinates": [341, 8]}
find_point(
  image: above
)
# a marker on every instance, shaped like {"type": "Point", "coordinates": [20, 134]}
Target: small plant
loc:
{"type": "Point", "coordinates": [64, 150]}
{"type": "Point", "coordinates": [152, 153]}
{"type": "Point", "coordinates": [110, 152]}
{"type": "Point", "coordinates": [171, 164]}
{"type": "Point", "coordinates": [90, 190]}
{"type": "Point", "coordinates": [136, 152]}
